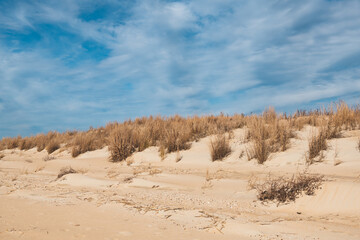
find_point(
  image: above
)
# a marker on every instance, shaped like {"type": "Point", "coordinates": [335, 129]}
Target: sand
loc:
{"type": "Point", "coordinates": [194, 198]}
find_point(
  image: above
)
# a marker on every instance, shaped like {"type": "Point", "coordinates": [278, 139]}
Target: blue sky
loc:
{"type": "Point", "coordinates": [74, 64]}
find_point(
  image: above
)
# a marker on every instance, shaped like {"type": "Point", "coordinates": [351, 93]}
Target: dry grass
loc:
{"type": "Point", "coordinates": [176, 139]}
{"type": "Point", "coordinates": [66, 170]}
{"type": "Point", "coordinates": [358, 144]}
{"type": "Point", "coordinates": [2, 155]}
{"type": "Point", "coordinates": [269, 132]}
{"type": "Point", "coordinates": [52, 146]}
{"type": "Point", "coordinates": [282, 189]}
{"type": "Point", "coordinates": [122, 143]}
{"type": "Point", "coordinates": [219, 147]}
{"type": "Point", "coordinates": [259, 150]}
{"type": "Point", "coordinates": [259, 133]}
{"type": "Point", "coordinates": [26, 143]}
{"type": "Point", "coordinates": [84, 142]}
{"type": "Point", "coordinates": [317, 144]}
{"type": "Point", "coordinates": [10, 143]}
{"type": "Point", "coordinates": [162, 152]}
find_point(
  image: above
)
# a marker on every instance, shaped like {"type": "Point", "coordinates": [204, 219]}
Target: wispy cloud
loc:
{"type": "Point", "coordinates": [72, 64]}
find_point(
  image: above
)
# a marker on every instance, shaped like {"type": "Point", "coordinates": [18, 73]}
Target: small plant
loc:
{"type": "Point", "coordinates": [66, 170]}
{"type": "Point", "coordinates": [52, 146]}
{"type": "Point", "coordinates": [358, 144]}
{"type": "Point", "coordinates": [317, 144]}
{"type": "Point", "coordinates": [219, 147]}
{"type": "Point", "coordinates": [284, 189]}
{"type": "Point", "coordinates": [2, 156]}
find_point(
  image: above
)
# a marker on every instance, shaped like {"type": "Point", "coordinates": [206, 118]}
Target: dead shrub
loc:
{"type": "Point", "coordinates": [52, 146]}
{"type": "Point", "coordinates": [66, 170]}
{"type": "Point", "coordinates": [219, 147]}
{"type": "Point", "coordinates": [317, 144]}
{"type": "Point", "coordinates": [282, 189]}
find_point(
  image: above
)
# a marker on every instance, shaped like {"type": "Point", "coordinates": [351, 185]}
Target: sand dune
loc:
{"type": "Point", "coordinates": [195, 198]}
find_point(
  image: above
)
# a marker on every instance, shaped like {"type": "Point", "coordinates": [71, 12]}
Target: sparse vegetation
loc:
{"type": "Point", "coordinates": [317, 144]}
{"type": "Point", "coordinates": [268, 133]}
{"type": "Point", "coordinates": [48, 158]}
{"type": "Point", "coordinates": [358, 144]}
{"type": "Point", "coordinates": [282, 189]}
{"type": "Point", "coordinates": [219, 147]}
{"type": "Point", "coordinates": [84, 142]}
{"type": "Point", "coordinates": [2, 155]}
{"type": "Point", "coordinates": [260, 134]}
{"type": "Point", "coordinates": [66, 170]}
{"type": "Point", "coordinates": [52, 146]}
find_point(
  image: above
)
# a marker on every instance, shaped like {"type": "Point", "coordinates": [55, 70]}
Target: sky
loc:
{"type": "Point", "coordinates": [68, 64]}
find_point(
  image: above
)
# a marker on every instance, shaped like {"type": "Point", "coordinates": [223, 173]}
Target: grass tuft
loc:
{"type": "Point", "coordinates": [83, 143]}
{"type": "Point", "coordinates": [317, 144]}
{"type": "Point", "coordinates": [219, 147]}
{"type": "Point", "coordinates": [52, 146]}
{"type": "Point", "coordinates": [121, 144]}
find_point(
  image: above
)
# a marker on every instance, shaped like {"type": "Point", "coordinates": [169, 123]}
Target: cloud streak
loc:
{"type": "Point", "coordinates": [72, 64]}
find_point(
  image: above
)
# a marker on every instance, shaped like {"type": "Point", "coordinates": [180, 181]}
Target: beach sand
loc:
{"type": "Point", "coordinates": [150, 198]}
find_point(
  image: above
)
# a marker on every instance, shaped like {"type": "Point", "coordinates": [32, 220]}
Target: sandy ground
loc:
{"type": "Point", "coordinates": [190, 199]}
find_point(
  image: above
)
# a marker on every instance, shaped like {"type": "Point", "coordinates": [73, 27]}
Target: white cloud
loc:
{"type": "Point", "coordinates": [168, 57]}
